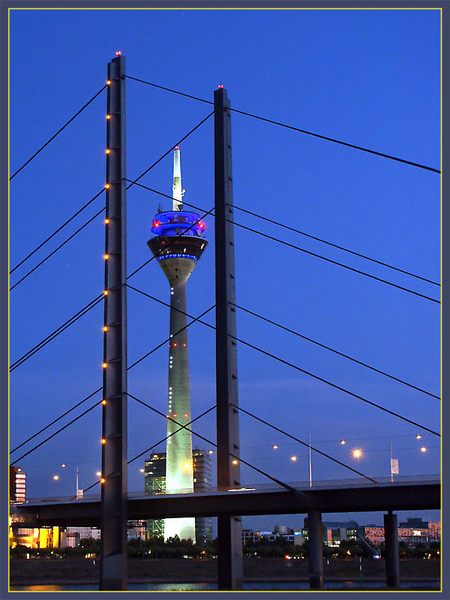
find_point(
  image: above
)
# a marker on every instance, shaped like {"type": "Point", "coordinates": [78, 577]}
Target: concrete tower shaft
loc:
{"type": "Point", "coordinates": [178, 245]}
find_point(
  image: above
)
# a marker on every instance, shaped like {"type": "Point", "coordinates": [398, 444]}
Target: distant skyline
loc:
{"type": "Point", "coordinates": [368, 77]}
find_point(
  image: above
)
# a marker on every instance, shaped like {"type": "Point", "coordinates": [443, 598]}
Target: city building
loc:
{"type": "Point", "coordinates": [155, 483]}
{"type": "Point", "coordinates": [17, 485]}
{"type": "Point", "coordinates": [178, 245]}
{"type": "Point", "coordinates": [413, 531]}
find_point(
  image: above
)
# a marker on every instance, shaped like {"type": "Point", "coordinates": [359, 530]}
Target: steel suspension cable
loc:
{"type": "Point", "coordinates": [355, 360]}
{"type": "Point", "coordinates": [56, 332]}
{"type": "Point", "coordinates": [170, 150]}
{"type": "Point", "coordinates": [58, 132]}
{"type": "Point", "coordinates": [293, 128]}
{"type": "Point", "coordinates": [304, 250]}
{"type": "Point", "coordinates": [133, 182]}
{"type": "Point", "coordinates": [73, 319]}
{"type": "Point", "coordinates": [157, 443]}
{"type": "Point", "coordinates": [333, 245]}
{"type": "Point", "coordinates": [44, 260]}
{"type": "Point", "coordinates": [52, 235]}
{"type": "Point", "coordinates": [103, 189]}
{"type": "Point", "coordinates": [208, 441]}
{"type": "Point", "coordinates": [308, 235]}
{"type": "Point", "coordinates": [300, 369]}
{"type": "Point", "coordinates": [56, 420]}
{"type": "Point", "coordinates": [57, 432]}
{"type": "Point", "coordinates": [143, 357]}
{"type": "Point", "coordinates": [293, 437]}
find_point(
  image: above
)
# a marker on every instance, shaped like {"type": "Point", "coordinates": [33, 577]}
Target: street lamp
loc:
{"type": "Point", "coordinates": [357, 453]}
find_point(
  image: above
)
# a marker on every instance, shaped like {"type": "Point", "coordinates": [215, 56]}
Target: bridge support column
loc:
{"type": "Point", "coordinates": [315, 550]}
{"type": "Point", "coordinates": [391, 550]}
{"type": "Point", "coordinates": [114, 494]}
{"type": "Point", "coordinates": [229, 562]}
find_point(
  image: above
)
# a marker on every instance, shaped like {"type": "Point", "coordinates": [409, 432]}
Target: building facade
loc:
{"type": "Point", "coordinates": [17, 485]}
{"type": "Point", "coordinates": [155, 483]}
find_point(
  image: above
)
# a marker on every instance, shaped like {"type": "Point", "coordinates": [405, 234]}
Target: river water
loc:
{"type": "Point", "coordinates": [249, 585]}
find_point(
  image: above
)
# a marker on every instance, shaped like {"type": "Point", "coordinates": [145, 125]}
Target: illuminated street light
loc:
{"type": "Point", "coordinates": [63, 465]}
{"type": "Point", "coordinates": [293, 458]}
{"type": "Point", "coordinates": [357, 453]}
{"type": "Point", "coordinates": [418, 436]}
{"type": "Point", "coordinates": [141, 470]}
{"type": "Point", "coordinates": [98, 473]}
{"type": "Point", "coordinates": [342, 442]}
{"type": "Point", "coordinates": [275, 447]}
{"type": "Point", "coordinates": [423, 449]}
{"type": "Point", "coordinates": [56, 477]}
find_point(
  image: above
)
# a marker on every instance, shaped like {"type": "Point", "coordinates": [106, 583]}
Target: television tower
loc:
{"type": "Point", "coordinates": [177, 246]}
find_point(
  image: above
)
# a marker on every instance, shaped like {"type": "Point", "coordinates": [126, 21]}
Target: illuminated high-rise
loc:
{"type": "Point", "coordinates": [178, 245]}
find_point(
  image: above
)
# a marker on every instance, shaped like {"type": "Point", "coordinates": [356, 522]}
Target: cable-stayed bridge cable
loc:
{"type": "Point", "coordinates": [294, 128]}
{"type": "Point", "coordinates": [39, 264]}
{"type": "Point", "coordinates": [333, 245]}
{"type": "Point", "coordinates": [300, 369]}
{"type": "Point", "coordinates": [90, 305]}
{"type": "Point", "coordinates": [103, 189]}
{"type": "Point", "coordinates": [56, 420]}
{"type": "Point", "coordinates": [190, 132]}
{"type": "Point", "coordinates": [56, 432]}
{"type": "Point", "coordinates": [58, 132]}
{"type": "Point", "coordinates": [308, 252]}
{"type": "Point", "coordinates": [156, 444]}
{"type": "Point", "coordinates": [355, 360]}
{"type": "Point", "coordinates": [73, 319]}
{"type": "Point", "coordinates": [52, 235]}
{"type": "Point", "coordinates": [307, 445]}
{"type": "Point", "coordinates": [208, 441]}
{"type": "Point", "coordinates": [144, 356]}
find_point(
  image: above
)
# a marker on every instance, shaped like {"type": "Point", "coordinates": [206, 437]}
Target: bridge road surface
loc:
{"type": "Point", "coordinates": [408, 493]}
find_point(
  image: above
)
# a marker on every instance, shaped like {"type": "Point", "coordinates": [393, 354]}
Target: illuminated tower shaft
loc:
{"type": "Point", "coordinates": [177, 246]}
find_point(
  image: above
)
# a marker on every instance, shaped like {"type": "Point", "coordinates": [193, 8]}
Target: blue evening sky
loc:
{"type": "Point", "coordinates": [369, 77]}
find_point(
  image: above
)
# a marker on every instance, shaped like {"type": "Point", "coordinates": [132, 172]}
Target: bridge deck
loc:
{"type": "Point", "coordinates": [327, 497]}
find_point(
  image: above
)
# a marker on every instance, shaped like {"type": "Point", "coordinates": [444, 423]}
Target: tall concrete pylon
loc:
{"type": "Point", "coordinates": [178, 245]}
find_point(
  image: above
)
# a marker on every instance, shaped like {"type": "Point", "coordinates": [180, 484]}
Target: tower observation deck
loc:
{"type": "Point", "coordinates": [178, 245]}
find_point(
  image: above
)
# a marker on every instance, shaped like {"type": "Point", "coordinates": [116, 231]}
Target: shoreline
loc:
{"type": "Point", "coordinates": [211, 580]}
